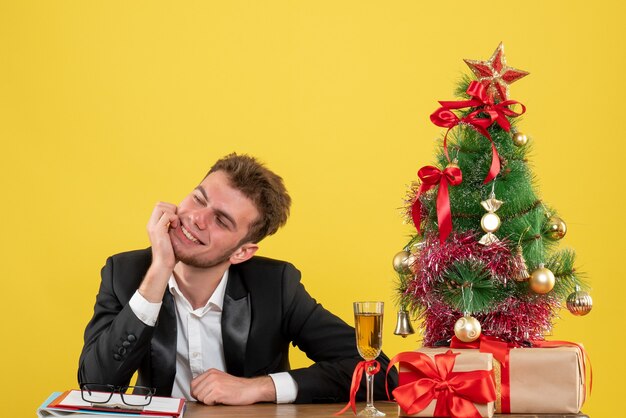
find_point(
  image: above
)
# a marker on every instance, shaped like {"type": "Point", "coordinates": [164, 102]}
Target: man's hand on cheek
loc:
{"type": "Point", "coordinates": [216, 387]}
{"type": "Point", "coordinates": [155, 281]}
{"type": "Point", "coordinates": [162, 219]}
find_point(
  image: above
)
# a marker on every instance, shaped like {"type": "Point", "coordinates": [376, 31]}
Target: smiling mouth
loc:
{"type": "Point", "coordinates": [188, 235]}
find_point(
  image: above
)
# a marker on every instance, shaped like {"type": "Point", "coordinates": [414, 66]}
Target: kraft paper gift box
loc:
{"type": "Point", "coordinates": [467, 361]}
{"type": "Point", "coordinates": [543, 380]}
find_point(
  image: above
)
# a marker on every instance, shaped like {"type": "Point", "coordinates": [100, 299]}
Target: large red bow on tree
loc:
{"type": "Point", "coordinates": [455, 392]}
{"type": "Point", "coordinates": [431, 177]}
{"type": "Point", "coordinates": [495, 113]}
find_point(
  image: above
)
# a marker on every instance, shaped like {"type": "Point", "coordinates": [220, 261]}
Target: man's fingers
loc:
{"type": "Point", "coordinates": [205, 387]}
{"type": "Point", "coordinates": [168, 219]}
{"type": "Point", "coordinates": [195, 382]}
{"type": "Point", "coordinates": [163, 217]}
{"type": "Point", "coordinates": [159, 209]}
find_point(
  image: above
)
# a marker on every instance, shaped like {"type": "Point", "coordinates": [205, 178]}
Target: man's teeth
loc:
{"type": "Point", "coordinates": [188, 235]}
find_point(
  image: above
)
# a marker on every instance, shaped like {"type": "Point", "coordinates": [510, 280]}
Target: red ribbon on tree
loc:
{"type": "Point", "coordinates": [371, 368]}
{"type": "Point", "coordinates": [431, 177]}
{"type": "Point", "coordinates": [455, 392]}
{"type": "Point", "coordinates": [495, 112]}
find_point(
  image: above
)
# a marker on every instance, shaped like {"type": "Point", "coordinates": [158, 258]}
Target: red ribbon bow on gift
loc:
{"type": "Point", "coordinates": [500, 350]}
{"type": "Point", "coordinates": [431, 177]}
{"type": "Point", "coordinates": [455, 392]}
{"type": "Point", "coordinates": [496, 113]}
{"type": "Point", "coordinates": [370, 367]}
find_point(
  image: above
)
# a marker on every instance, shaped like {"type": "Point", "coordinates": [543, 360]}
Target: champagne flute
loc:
{"type": "Point", "coordinates": [368, 318]}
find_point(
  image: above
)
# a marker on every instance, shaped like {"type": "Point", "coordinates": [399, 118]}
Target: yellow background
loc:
{"type": "Point", "coordinates": [108, 107]}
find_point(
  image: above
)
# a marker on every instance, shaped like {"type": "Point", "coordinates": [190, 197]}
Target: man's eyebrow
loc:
{"type": "Point", "coordinates": [227, 216]}
{"type": "Point", "coordinates": [219, 212]}
{"type": "Point", "coordinates": [201, 189]}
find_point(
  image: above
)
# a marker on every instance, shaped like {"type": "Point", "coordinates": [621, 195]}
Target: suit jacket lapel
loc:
{"type": "Point", "coordinates": [236, 319]}
{"type": "Point", "coordinates": [164, 346]}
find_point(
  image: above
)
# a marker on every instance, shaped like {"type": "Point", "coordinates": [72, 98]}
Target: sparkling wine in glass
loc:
{"type": "Point", "coordinates": [368, 319]}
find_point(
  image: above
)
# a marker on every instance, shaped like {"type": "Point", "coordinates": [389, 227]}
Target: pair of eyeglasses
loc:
{"type": "Point", "coordinates": [134, 396]}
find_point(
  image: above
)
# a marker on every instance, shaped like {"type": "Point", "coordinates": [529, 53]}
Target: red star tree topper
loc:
{"type": "Point", "coordinates": [495, 75]}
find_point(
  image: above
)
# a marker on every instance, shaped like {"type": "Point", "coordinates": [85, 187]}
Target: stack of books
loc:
{"type": "Point", "coordinates": [71, 404]}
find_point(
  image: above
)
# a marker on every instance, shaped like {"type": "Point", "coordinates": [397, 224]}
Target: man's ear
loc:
{"type": "Point", "coordinates": [243, 253]}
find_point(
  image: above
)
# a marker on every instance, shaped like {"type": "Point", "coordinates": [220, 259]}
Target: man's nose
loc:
{"type": "Point", "coordinates": [201, 217]}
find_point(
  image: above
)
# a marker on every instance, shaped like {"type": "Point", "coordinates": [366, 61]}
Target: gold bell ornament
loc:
{"type": "Point", "coordinates": [579, 303]}
{"type": "Point", "coordinates": [541, 280]}
{"type": "Point", "coordinates": [403, 324]}
{"type": "Point", "coordinates": [467, 328]}
{"type": "Point", "coordinates": [521, 273]}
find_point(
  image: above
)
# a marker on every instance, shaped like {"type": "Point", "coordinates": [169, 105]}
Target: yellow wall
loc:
{"type": "Point", "coordinates": [107, 107]}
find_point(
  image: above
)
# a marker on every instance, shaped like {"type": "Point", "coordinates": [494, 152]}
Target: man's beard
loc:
{"type": "Point", "coordinates": [199, 262]}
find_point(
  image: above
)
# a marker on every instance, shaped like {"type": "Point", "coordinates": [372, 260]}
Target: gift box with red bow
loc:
{"type": "Point", "coordinates": [442, 382]}
{"type": "Point", "coordinates": [547, 379]}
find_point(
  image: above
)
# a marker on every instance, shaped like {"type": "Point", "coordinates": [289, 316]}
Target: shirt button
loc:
{"type": "Point", "coordinates": [196, 355]}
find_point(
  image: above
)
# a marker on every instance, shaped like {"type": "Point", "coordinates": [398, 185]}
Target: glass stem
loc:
{"type": "Point", "coordinates": [370, 391]}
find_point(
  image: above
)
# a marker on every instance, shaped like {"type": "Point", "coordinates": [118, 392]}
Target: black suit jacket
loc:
{"type": "Point", "coordinates": [265, 308]}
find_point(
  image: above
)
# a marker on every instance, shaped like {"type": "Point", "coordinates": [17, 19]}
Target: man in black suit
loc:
{"type": "Point", "coordinates": [199, 316]}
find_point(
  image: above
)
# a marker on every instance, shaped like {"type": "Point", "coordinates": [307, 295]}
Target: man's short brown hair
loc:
{"type": "Point", "coordinates": [263, 187]}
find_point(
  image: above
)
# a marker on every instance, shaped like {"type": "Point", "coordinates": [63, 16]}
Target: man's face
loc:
{"type": "Point", "coordinates": [214, 219]}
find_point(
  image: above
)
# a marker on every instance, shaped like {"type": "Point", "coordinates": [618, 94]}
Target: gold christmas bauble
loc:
{"type": "Point", "coordinates": [490, 222]}
{"type": "Point", "coordinates": [541, 280]}
{"type": "Point", "coordinates": [467, 329]}
{"type": "Point", "coordinates": [520, 139]}
{"type": "Point", "coordinates": [453, 164]}
{"type": "Point", "coordinates": [579, 303]}
{"type": "Point", "coordinates": [402, 262]}
{"type": "Point", "coordinates": [556, 228]}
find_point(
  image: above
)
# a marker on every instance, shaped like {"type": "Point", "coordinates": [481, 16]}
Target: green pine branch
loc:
{"type": "Point", "coordinates": [468, 286]}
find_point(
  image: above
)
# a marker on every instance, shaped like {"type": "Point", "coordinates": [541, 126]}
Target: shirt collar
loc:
{"type": "Point", "coordinates": [216, 300]}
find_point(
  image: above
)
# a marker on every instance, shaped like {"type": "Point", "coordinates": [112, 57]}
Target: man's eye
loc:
{"type": "Point", "coordinates": [198, 200]}
{"type": "Point", "coordinates": [221, 222]}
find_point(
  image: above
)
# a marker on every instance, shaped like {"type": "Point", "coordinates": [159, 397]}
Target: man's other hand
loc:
{"type": "Point", "coordinates": [216, 387]}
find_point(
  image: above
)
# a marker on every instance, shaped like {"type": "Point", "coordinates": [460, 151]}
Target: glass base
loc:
{"type": "Point", "coordinates": [370, 411]}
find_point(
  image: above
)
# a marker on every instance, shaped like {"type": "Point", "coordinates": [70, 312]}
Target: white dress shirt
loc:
{"type": "Point", "coordinates": [199, 345]}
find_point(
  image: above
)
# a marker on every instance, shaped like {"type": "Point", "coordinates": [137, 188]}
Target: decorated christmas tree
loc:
{"type": "Point", "coordinates": [484, 256]}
